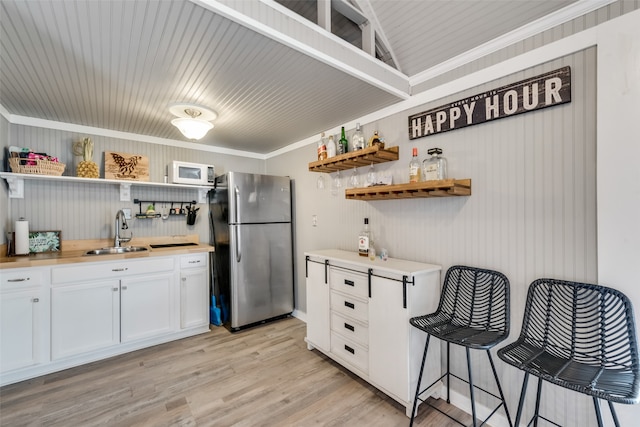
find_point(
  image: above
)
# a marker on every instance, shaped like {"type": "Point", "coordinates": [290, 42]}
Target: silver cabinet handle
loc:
{"type": "Point", "coordinates": [21, 279]}
{"type": "Point", "coordinates": [115, 289]}
{"type": "Point", "coordinates": [124, 288]}
{"type": "Point", "coordinates": [119, 269]}
{"type": "Point", "coordinates": [184, 279]}
{"type": "Point", "coordinates": [194, 262]}
{"type": "Point", "coordinates": [35, 300]}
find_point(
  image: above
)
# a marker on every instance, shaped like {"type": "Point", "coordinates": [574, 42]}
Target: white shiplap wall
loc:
{"type": "Point", "coordinates": [532, 212]}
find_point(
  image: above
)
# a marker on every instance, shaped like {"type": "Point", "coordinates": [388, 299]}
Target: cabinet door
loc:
{"type": "Point", "coordinates": [318, 313]}
{"type": "Point", "coordinates": [19, 329]}
{"type": "Point", "coordinates": [146, 307]}
{"type": "Point", "coordinates": [194, 298]}
{"type": "Point", "coordinates": [84, 317]}
{"type": "Point", "coordinates": [388, 337]}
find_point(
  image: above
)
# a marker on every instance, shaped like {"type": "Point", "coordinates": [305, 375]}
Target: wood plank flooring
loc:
{"type": "Point", "coordinates": [264, 376]}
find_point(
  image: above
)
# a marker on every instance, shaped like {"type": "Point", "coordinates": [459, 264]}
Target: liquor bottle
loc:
{"type": "Point", "coordinates": [322, 148]}
{"type": "Point", "coordinates": [414, 167]}
{"type": "Point", "coordinates": [331, 147]}
{"type": "Point", "coordinates": [365, 239]}
{"type": "Point", "coordinates": [375, 139]}
{"type": "Point", "coordinates": [434, 167]}
{"type": "Point", "coordinates": [357, 139]}
{"type": "Point", "coordinates": [343, 141]}
{"type": "Point", "coordinates": [339, 146]}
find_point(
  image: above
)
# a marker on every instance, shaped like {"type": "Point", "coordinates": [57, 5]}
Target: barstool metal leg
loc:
{"type": "Point", "coordinates": [415, 399]}
{"type": "Point", "coordinates": [521, 402]}
{"type": "Point", "coordinates": [495, 375]}
{"type": "Point", "coordinates": [448, 375]}
{"type": "Point", "coordinates": [613, 414]}
{"type": "Point", "coordinates": [473, 401]}
{"type": "Point", "coordinates": [596, 403]}
{"type": "Point", "coordinates": [538, 394]}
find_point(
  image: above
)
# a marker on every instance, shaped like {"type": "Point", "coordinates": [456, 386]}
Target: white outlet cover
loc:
{"type": "Point", "coordinates": [127, 213]}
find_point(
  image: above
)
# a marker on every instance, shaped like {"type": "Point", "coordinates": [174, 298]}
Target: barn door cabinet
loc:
{"type": "Point", "coordinates": [358, 314]}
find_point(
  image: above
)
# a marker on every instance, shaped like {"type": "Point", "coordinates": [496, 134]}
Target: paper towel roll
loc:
{"type": "Point", "coordinates": [21, 228]}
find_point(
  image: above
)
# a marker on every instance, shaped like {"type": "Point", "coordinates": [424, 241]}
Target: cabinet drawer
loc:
{"type": "Point", "coordinates": [192, 261]}
{"type": "Point", "coordinates": [349, 306]}
{"type": "Point", "coordinates": [349, 282]}
{"type": "Point", "coordinates": [109, 269]}
{"type": "Point", "coordinates": [350, 329]}
{"type": "Point", "coordinates": [350, 351]}
{"type": "Point", "coordinates": [22, 278]}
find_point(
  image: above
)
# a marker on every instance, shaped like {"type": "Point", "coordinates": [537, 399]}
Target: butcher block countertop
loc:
{"type": "Point", "coordinates": [73, 251]}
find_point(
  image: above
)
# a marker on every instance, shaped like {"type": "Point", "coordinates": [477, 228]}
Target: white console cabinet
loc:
{"type": "Point", "coordinates": [194, 291]}
{"type": "Point", "coordinates": [358, 314]}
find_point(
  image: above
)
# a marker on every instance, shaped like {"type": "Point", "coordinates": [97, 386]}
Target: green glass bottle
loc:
{"type": "Point", "coordinates": [343, 141]}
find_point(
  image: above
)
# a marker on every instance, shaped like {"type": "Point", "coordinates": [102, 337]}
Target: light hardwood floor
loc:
{"type": "Point", "coordinates": [264, 376]}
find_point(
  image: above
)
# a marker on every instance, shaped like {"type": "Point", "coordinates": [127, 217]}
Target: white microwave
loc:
{"type": "Point", "coordinates": [191, 173]}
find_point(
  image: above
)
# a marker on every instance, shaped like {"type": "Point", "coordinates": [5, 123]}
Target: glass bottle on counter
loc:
{"type": "Point", "coordinates": [322, 148]}
{"type": "Point", "coordinates": [414, 167]}
{"type": "Point", "coordinates": [357, 139]}
{"type": "Point", "coordinates": [434, 167]}
{"type": "Point", "coordinates": [365, 239]}
{"type": "Point", "coordinates": [331, 147]}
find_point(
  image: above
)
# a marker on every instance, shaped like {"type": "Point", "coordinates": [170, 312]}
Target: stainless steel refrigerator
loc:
{"type": "Point", "coordinates": [251, 229]}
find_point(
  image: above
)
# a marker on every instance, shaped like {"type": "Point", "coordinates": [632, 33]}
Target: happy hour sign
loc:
{"type": "Point", "coordinates": [545, 90]}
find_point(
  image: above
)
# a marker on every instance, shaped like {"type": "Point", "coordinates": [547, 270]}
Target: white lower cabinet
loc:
{"type": "Point", "coordinates": [194, 291]}
{"type": "Point", "coordinates": [52, 318]}
{"type": "Point", "coordinates": [84, 317]}
{"type": "Point", "coordinates": [360, 318]}
{"type": "Point", "coordinates": [133, 304]}
{"type": "Point", "coordinates": [24, 309]}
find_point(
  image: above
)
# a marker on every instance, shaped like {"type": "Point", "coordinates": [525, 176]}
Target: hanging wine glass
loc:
{"type": "Point", "coordinates": [320, 182]}
{"type": "Point", "coordinates": [371, 176]}
{"type": "Point", "coordinates": [336, 185]}
{"type": "Point", "coordinates": [354, 181]}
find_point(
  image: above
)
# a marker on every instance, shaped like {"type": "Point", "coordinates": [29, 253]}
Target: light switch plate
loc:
{"type": "Point", "coordinates": [127, 213]}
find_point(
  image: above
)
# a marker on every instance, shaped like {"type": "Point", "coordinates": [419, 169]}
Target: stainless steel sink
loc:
{"type": "Point", "coordinates": [114, 250]}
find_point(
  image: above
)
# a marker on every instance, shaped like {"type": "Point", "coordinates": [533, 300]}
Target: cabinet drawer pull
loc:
{"type": "Point", "coordinates": [124, 288]}
{"type": "Point", "coordinates": [21, 279]}
{"type": "Point", "coordinates": [349, 304]}
{"type": "Point", "coordinates": [349, 349]}
{"type": "Point", "coordinates": [35, 300]}
{"type": "Point", "coordinates": [349, 327]}
{"type": "Point", "coordinates": [114, 289]}
{"type": "Point", "coordinates": [349, 282]}
{"type": "Point", "coordinates": [119, 269]}
{"type": "Point", "coordinates": [194, 262]}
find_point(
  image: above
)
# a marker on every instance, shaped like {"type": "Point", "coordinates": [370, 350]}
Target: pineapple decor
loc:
{"type": "Point", "coordinates": [87, 168]}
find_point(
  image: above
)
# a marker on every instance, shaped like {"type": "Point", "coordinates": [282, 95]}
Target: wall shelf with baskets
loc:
{"type": "Point", "coordinates": [440, 188]}
{"type": "Point", "coordinates": [16, 184]}
{"type": "Point", "coordinates": [354, 159]}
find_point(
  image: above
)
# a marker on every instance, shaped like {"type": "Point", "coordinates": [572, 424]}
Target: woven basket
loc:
{"type": "Point", "coordinates": [42, 167]}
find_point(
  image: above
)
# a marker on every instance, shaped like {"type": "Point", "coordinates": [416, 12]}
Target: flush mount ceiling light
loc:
{"type": "Point", "coordinates": [194, 121]}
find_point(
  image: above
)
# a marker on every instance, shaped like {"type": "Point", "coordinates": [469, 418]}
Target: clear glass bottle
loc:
{"type": "Point", "coordinates": [357, 139]}
{"type": "Point", "coordinates": [343, 141]}
{"type": "Point", "coordinates": [322, 148]}
{"type": "Point", "coordinates": [434, 167]}
{"type": "Point", "coordinates": [365, 239]}
{"type": "Point", "coordinates": [331, 147]}
{"type": "Point", "coordinates": [414, 167]}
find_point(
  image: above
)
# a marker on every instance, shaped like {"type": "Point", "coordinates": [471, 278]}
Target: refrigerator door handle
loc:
{"type": "Point", "coordinates": [237, 245]}
{"type": "Point", "coordinates": [236, 194]}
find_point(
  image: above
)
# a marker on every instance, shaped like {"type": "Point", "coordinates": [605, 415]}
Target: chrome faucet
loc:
{"type": "Point", "coordinates": [117, 240]}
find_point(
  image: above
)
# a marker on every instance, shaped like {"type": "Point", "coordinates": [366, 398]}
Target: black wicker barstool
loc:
{"type": "Point", "coordinates": [474, 313]}
{"type": "Point", "coordinates": [581, 337]}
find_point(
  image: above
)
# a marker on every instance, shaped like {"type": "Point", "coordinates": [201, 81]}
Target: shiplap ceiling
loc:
{"type": "Point", "coordinates": [269, 73]}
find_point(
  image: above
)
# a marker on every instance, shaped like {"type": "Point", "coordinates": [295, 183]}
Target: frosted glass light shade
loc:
{"type": "Point", "coordinates": [192, 128]}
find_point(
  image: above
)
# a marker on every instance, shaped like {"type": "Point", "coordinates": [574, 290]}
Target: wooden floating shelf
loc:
{"type": "Point", "coordinates": [441, 188]}
{"type": "Point", "coordinates": [355, 159]}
